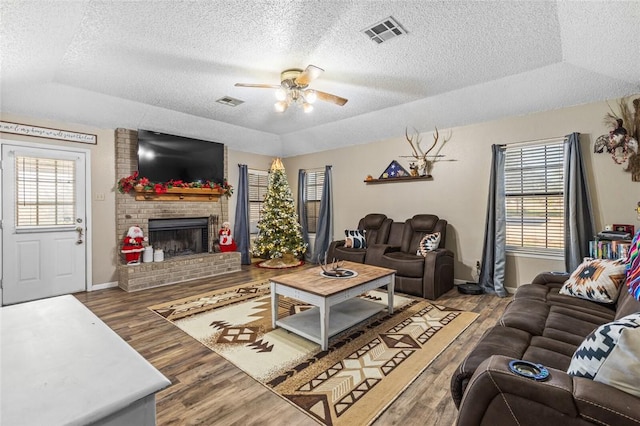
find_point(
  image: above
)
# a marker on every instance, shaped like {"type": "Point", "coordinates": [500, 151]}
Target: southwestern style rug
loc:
{"type": "Point", "coordinates": [364, 369]}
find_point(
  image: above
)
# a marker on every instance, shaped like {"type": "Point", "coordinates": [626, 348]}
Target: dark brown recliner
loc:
{"type": "Point", "coordinates": [427, 276]}
{"type": "Point", "coordinates": [377, 227]}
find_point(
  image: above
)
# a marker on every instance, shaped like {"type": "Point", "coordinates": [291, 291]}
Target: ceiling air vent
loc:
{"type": "Point", "coordinates": [229, 101]}
{"type": "Point", "coordinates": [384, 30]}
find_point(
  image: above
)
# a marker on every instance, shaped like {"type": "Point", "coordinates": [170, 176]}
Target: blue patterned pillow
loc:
{"type": "Point", "coordinates": [355, 238]}
{"type": "Point", "coordinates": [611, 355]}
{"type": "Point", "coordinates": [428, 243]}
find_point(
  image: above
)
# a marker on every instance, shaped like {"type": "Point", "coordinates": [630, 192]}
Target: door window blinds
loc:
{"type": "Point", "coordinates": [45, 192]}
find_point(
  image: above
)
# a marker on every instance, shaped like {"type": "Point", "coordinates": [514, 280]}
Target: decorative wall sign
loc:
{"type": "Point", "coordinates": [47, 133]}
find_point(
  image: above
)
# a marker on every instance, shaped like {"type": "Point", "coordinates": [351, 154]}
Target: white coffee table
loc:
{"type": "Point", "coordinates": [335, 301]}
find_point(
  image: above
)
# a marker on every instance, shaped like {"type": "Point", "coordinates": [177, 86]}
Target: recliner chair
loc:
{"type": "Point", "coordinates": [377, 227]}
{"type": "Point", "coordinates": [427, 276]}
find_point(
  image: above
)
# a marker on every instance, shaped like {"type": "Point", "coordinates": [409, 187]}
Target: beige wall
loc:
{"type": "Point", "coordinates": [457, 193]}
{"type": "Point", "coordinates": [253, 161]}
{"type": "Point", "coordinates": [102, 182]}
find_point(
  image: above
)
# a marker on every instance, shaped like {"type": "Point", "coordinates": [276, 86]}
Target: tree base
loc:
{"type": "Point", "coordinates": [286, 261]}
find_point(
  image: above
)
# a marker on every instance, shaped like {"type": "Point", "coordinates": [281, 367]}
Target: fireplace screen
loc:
{"type": "Point", "coordinates": [179, 237]}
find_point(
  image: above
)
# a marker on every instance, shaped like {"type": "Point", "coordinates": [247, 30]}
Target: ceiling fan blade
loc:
{"type": "Point", "coordinates": [261, 86]}
{"type": "Point", "coordinates": [328, 97]}
{"type": "Point", "coordinates": [308, 75]}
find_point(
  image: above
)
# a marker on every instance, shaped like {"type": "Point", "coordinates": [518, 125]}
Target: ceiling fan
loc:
{"type": "Point", "coordinates": [293, 89]}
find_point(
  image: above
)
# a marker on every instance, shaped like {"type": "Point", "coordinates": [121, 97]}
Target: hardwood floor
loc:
{"type": "Point", "coordinates": [208, 390]}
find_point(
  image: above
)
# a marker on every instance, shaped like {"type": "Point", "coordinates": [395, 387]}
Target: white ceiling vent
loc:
{"type": "Point", "coordinates": [384, 30]}
{"type": "Point", "coordinates": [229, 101]}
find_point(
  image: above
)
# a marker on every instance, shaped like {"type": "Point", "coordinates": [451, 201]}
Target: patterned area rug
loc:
{"type": "Point", "coordinates": [357, 378]}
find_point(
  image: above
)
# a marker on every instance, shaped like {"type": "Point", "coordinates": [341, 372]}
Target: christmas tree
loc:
{"type": "Point", "coordinates": [279, 232]}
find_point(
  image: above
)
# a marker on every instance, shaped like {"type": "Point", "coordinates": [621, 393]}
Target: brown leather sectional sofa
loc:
{"type": "Point", "coordinates": [544, 327]}
{"type": "Point", "coordinates": [394, 245]}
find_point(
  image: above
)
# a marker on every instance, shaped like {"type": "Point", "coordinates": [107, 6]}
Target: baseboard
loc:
{"type": "Point", "coordinates": [104, 286]}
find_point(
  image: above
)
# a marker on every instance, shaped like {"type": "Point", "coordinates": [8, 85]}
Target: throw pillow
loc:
{"type": "Point", "coordinates": [633, 267]}
{"type": "Point", "coordinates": [611, 355]}
{"type": "Point", "coordinates": [598, 280]}
{"type": "Point", "coordinates": [428, 243]}
{"type": "Point", "coordinates": [355, 238]}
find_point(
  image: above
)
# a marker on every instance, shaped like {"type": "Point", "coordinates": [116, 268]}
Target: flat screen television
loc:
{"type": "Point", "coordinates": [163, 157]}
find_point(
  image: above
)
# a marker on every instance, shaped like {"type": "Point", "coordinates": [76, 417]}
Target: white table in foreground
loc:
{"type": "Point", "coordinates": [337, 306]}
{"type": "Point", "coordinates": [61, 365]}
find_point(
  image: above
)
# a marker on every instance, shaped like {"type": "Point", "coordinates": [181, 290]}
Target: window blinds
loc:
{"type": "Point", "coordinates": [45, 192]}
{"type": "Point", "coordinates": [534, 197]}
{"type": "Point", "coordinates": [315, 183]}
{"type": "Point", "coordinates": [258, 185]}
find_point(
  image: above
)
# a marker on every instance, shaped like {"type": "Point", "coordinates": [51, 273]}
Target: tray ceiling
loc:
{"type": "Point", "coordinates": [162, 65]}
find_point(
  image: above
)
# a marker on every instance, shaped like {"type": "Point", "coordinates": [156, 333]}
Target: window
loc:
{"type": "Point", "coordinates": [314, 185]}
{"type": "Point", "coordinates": [534, 198]}
{"type": "Point", "coordinates": [258, 184]}
{"type": "Point", "coordinates": [45, 192]}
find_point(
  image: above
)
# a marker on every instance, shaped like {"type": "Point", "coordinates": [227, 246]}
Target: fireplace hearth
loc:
{"type": "Point", "coordinates": [179, 236]}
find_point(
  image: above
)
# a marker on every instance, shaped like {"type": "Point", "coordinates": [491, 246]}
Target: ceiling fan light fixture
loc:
{"type": "Point", "coordinates": [281, 106]}
{"type": "Point", "coordinates": [293, 89]}
{"type": "Point", "coordinates": [310, 96]}
{"type": "Point", "coordinates": [281, 94]}
{"type": "Point", "coordinates": [307, 107]}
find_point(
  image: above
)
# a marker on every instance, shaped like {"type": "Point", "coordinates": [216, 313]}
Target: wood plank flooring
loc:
{"type": "Point", "coordinates": [208, 390]}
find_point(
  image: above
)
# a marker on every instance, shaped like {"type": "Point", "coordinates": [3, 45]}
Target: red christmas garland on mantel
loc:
{"type": "Point", "coordinates": [127, 184]}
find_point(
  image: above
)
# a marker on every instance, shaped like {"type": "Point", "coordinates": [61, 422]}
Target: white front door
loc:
{"type": "Point", "coordinates": [43, 223]}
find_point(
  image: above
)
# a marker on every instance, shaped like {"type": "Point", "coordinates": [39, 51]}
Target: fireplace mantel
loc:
{"type": "Point", "coordinates": [179, 194]}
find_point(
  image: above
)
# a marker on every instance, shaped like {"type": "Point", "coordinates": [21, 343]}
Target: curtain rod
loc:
{"type": "Point", "coordinates": [533, 141]}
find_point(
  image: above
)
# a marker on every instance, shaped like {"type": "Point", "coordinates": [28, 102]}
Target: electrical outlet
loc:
{"type": "Point", "coordinates": [99, 196]}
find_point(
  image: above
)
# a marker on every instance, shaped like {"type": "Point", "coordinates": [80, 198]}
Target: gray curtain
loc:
{"type": "Point", "coordinates": [241, 225]}
{"type": "Point", "coordinates": [324, 233]}
{"type": "Point", "coordinates": [578, 216]}
{"type": "Point", "coordinates": [493, 252]}
{"type": "Point", "coordinates": [302, 210]}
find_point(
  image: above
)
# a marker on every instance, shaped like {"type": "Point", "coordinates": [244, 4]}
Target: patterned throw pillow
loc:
{"type": "Point", "coordinates": [598, 280]}
{"type": "Point", "coordinates": [633, 267]}
{"type": "Point", "coordinates": [428, 243]}
{"type": "Point", "coordinates": [611, 355]}
{"type": "Point", "coordinates": [355, 238]}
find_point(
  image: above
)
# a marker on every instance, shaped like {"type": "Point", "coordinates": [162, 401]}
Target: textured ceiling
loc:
{"type": "Point", "coordinates": [162, 65]}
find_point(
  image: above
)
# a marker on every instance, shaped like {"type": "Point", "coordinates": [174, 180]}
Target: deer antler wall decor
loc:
{"type": "Point", "coordinates": [424, 164]}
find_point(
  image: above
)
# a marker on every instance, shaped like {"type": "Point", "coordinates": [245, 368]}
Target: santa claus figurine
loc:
{"type": "Point", "coordinates": [226, 240]}
{"type": "Point", "coordinates": [132, 245]}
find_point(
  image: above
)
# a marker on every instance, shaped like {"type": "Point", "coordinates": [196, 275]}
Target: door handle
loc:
{"type": "Point", "coordinates": [80, 232]}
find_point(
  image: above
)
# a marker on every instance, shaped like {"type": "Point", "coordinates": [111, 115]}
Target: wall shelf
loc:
{"type": "Point", "coordinates": [179, 194]}
{"type": "Point", "coordinates": [399, 179]}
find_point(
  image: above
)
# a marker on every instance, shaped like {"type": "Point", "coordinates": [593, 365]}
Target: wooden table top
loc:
{"type": "Point", "coordinates": [311, 281]}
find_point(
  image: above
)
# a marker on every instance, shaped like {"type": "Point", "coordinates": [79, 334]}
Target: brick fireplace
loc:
{"type": "Point", "coordinates": [198, 218]}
